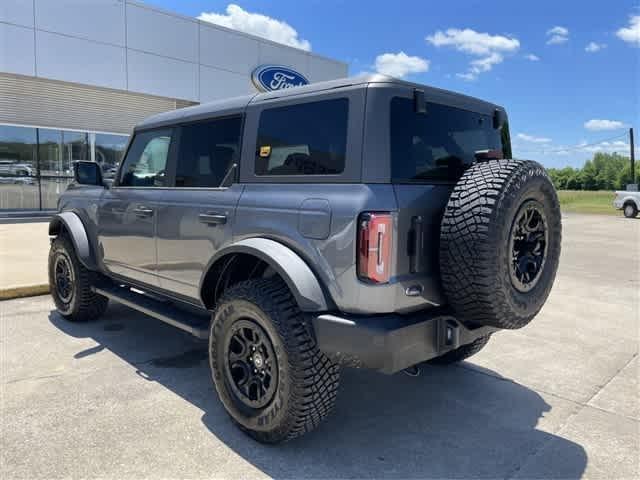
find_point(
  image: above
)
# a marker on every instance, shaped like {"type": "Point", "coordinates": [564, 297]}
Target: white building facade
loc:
{"type": "Point", "coordinates": [76, 75]}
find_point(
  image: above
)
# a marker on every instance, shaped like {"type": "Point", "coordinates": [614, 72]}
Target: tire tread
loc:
{"type": "Point", "coordinates": [315, 378]}
{"type": "Point", "coordinates": [473, 224]}
{"type": "Point", "coordinates": [88, 305]}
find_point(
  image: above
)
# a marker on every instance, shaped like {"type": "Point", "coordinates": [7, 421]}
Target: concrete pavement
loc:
{"type": "Point", "coordinates": [24, 249]}
{"type": "Point", "coordinates": [130, 397]}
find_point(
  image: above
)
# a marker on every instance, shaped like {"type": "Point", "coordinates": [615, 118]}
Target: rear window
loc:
{"type": "Point", "coordinates": [439, 144]}
{"type": "Point", "coordinates": [303, 139]}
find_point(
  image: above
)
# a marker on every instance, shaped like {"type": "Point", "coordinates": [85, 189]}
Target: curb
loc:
{"type": "Point", "coordinates": [24, 291]}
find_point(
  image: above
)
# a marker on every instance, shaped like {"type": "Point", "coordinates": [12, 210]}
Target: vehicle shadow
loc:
{"type": "Point", "coordinates": [449, 422]}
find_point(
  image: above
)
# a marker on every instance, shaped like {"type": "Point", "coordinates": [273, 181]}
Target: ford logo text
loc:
{"type": "Point", "coordinates": [268, 78]}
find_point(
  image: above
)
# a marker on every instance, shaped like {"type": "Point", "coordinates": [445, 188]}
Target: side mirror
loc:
{"type": "Point", "coordinates": [87, 173]}
{"type": "Point", "coordinates": [499, 117]}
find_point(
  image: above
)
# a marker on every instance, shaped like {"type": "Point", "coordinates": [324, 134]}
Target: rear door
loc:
{"type": "Point", "coordinates": [428, 153]}
{"type": "Point", "coordinates": [127, 212]}
{"type": "Point", "coordinates": [195, 218]}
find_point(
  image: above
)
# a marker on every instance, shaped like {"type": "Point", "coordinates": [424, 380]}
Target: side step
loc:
{"type": "Point", "coordinates": [196, 325]}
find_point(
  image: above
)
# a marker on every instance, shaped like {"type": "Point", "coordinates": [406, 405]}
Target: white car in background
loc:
{"type": "Point", "coordinates": [628, 202]}
{"type": "Point", "coordinates": [18, 173]}
{"type": "Point", "coordinates": [13, 168]}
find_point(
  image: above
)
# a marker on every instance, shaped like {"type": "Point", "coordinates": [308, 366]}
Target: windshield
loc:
{"type": "Point", "coordinates": [440, 144]}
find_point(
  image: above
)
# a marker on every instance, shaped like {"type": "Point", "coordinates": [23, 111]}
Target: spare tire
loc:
{"type": "Point", "coordinates": [500, 243]}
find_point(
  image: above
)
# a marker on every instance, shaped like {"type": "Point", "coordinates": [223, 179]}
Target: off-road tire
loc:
{"type": "Point", "coordinates": [475, 237]}
{"type": "Point", "coordinates": [630, 212]}
{"type": "Point", "coordinates": [461, 353]}
{"type": "Point", "coordinates": [307, 382]}
{"type": "Point", "coordinates": [84, 304]}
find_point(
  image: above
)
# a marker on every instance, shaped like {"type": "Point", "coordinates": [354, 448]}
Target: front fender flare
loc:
{"type": "Point", "coordinates": [73, 225]}
{"type": "Point", "coordinates": [302, 282]}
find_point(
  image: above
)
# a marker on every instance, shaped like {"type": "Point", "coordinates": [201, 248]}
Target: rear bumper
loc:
{"type": "Point", "coordinates": [390, 343]}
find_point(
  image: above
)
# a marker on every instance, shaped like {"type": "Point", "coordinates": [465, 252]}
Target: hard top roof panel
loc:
{"type": "Point", "coordinates": [238, 104]}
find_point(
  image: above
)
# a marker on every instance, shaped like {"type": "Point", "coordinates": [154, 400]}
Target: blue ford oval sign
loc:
{"type": "Point", "coordinates": [268, 78]}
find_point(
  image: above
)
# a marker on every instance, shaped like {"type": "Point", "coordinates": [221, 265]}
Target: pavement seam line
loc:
{"type": "Point", "coordinates": [538, 389]}
{"type": "Point", "coordinates": [611, 379]}
{"type": "Point", "coordinates": [563, 425]}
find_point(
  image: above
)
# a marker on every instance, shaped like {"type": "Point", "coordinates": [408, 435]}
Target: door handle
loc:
{"type": "Point", "coordinates": [212, 218]}
{"type": "Point", "coordinates": [143, 211]}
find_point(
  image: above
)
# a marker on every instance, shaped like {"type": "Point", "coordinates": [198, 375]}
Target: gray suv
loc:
{"type": "Point", "coordinates": [366, 222]}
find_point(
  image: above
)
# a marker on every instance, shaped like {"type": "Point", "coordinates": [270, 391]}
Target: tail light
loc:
{"type": "Point", "coordinates": [375, 233]}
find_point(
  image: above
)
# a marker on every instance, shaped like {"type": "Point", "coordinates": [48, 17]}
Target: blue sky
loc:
{"type": "Point", "coordinates": [567, 71]}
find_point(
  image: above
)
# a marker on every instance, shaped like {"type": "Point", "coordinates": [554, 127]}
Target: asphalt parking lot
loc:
{"type": "Point", "coordinates": [129, 397]}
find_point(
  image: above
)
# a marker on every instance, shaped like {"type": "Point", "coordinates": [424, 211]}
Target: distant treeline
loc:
{"type": "Point", "coordinates": [606, 171]}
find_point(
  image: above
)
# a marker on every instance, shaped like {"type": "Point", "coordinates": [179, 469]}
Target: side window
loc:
{"type": "Point", "coordinates": [304, 139]}
{"type": "Point", "coordinates": [207, 150]}
{"type": "Point", "coordinates": [146, 159]}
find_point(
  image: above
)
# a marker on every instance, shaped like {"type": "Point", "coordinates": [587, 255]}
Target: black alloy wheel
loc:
{"type": "Point", "coordinates": [64, 278]}
{"type": "Point", "coordinates": [528, 244]}
{"type": "Point", "coordinates": [250, 364]}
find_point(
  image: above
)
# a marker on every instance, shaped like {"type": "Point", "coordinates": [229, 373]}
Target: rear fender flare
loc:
{"type": "Point", "coordinates": [301, 280]}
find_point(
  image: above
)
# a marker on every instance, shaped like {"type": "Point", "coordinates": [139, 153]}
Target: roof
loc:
{"type": "Point", "coordinates": [236, 104]}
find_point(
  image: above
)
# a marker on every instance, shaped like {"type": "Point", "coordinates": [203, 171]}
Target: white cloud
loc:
{"type": "Point", "coordinates": [557, 35]}
{"type": "Point", "coordinates": [468, 76]}
{"type": "Point", "coordinates": [596, 125]}
{"type": "Point", "coordinates": [631, 34]}
{"type": "Point", "coordinates": [257, 24]}
{"type": "Point", "coordinates": [558, 31]}
{"type": "Point", "coordinates": [532, 57]}
{"type": "Point", "coordinates": [400, 64]}
{"type": "Point", "coordinates": [583, 147]}
{"type": "Point", "coordinates": [472, 42]}
{"type": "Point", "coordinates": [610, 147]}
{"type": "Point", "coordinates": [557, 40]}
{"type": "Point", "coordinates": [491, 48]}
{"type": "Point", "coordinates": [531, 138]}
{"type": "Point", "coordinates": [594, 47]}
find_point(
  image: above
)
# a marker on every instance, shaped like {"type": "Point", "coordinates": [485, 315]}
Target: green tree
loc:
{"type": "Point", "coordinates": [605, 171]}
{"type": "Point", "coordinates": [624, 176]}
{"type": "Point", "coordinates": [589, 176]}
{"type": "Point", "coordinates": [575, 181]}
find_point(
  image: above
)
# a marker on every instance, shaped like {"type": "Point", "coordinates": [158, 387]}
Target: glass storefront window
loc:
{"type": "Point", "coordinates": [109, 150]}
{"type": "Point", "coordinates": [51, 188]}
{"type": "Point", "coordinates": [24, 186]}
{"type": "Point", "coordinates": [75, 146]}
{"type": "Point", "coordinates": [19, 189]}
{"type": "Point", "coordinates": [50, 152]}
{"type": "Point", "coordinates": [50, 157]}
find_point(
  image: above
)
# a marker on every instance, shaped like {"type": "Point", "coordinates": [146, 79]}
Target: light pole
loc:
{"type": "Point", "coordinates": [633, 157]}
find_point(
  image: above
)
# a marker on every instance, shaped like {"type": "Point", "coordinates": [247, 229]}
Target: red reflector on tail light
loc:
{"type": "Point", "coordinates": [375, 233]}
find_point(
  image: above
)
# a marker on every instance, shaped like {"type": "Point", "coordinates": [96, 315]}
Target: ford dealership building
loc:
{"type": "Point", "coordinates": [76, 75]}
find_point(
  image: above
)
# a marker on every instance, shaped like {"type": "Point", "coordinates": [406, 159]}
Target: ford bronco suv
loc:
{"type": "Point", "coordinates": [367, 222]}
